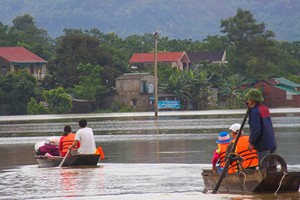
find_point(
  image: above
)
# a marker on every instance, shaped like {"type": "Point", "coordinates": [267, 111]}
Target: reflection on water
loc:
{"type": "Point", "coordinates": [106, 179]}
{"type": "Point", "coordinates": [162, 126]}
{"type": "Point", "coordinates": [112, 179]}
{"type": "Point", "coordinates": [143, 158]}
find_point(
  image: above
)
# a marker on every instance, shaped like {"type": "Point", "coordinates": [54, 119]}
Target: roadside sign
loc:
{"type": "Point", "coordinates": [169, 104]}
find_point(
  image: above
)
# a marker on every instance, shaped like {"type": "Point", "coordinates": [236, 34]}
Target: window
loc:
{"type": "Point", "coordinates": [289, 95]}
{"type": "Point", "coordinates": [4, 70]}
{"type": "Point", "coordinates": [133, 102]}
{"type": "Point", "coordinates": [143, 87]}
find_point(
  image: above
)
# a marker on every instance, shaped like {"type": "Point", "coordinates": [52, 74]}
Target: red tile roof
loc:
{"type": "Point", "coordinates": [19, 55]}
{"type": "Point", "coordinates": [161, 57]}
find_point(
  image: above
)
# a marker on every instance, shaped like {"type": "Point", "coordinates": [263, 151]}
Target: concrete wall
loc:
{"type": "Point", "coordinates": [134, 92]}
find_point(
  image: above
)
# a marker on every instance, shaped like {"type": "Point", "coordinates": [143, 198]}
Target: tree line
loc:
{"type": "Point", "coordinates": [85, 63]}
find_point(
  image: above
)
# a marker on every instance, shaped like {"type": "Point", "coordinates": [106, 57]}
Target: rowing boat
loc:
{"type": "Point", "coordinates": [72, 160]}
{"type": "Point", "coordinates": [266, 179]}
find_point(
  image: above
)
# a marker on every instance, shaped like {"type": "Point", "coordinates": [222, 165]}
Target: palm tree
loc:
{"type": "Point", "coordinates": [232, 92]}
{"type": "Point", "coordinates": [178, 86]}
{"type": "Point", "coordinates": [189, 85]}
{"type": "Point", "coordinates": [200, 88]}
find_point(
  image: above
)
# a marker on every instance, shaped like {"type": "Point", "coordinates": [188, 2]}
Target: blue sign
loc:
{"type": "Point", "coordinates": [169, 104]}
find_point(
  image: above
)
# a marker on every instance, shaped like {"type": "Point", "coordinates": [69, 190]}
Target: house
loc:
{"type": "Point", "coordinates": [135, 90]}
{"type": "Point", "coordinates": [179, 60]}
{"type": "Point", "coordinates": [280, 92]}
{"type": "Point", "coordinates": [197, 58]}
{"type": "Point", "coordinates": [17, 58]}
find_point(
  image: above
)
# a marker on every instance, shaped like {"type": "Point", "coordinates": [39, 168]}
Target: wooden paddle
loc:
{"type": "Point", "coordinates": [229, 158]}
{"type": "Point", "coordinates": [63, 161]}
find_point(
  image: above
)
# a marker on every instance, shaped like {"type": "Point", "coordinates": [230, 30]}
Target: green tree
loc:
{"type": "Point", "coordinates": [73, 49]}
{"type": "Point", "coordinates": [246, 38]}
{"type": "Point", "coordinates": [200, 88]}
{"type": "Point", "coordinates": [58, 101]}
{"type": "Point", "coordinates": [90, 86]}
{"type": "Point", "coordinates": [294, 78]}
{"type": "Point", "coordinates": [231, 91]}
{"type": "Point", "coordinates": [189, 86]}
{"type": "Point", "coordinates": [34, 107]}
{"type": "Point", "coordinates": [177, 85]}
{"type": "Point", "coordinates": [213, 43]}
{"type": "Point", "coordinates": [31, 37]}
{"type": "Point", "coordinates": [7, 37]}
{"type": "Point", "coordinates": [16, 89]}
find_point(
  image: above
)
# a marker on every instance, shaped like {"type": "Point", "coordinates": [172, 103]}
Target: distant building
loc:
{"type": "Point", "coordinates": [17, 58]}
{"type": "Point", "coordinates": [135, 90]}
{"type": "Point", "coordinates": [280, 92]}
{"type": "Point", "coordinates": [178, 60]}
{"type": "Point", "coordinates": [198, 58]}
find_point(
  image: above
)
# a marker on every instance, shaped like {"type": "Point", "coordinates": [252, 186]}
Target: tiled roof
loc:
{"type": "Point", "coordinates": [161, 57]}
{"type": "Point", "coordinates": [202, 56]}
{"type": "Point", "coordinates": [19, 55]}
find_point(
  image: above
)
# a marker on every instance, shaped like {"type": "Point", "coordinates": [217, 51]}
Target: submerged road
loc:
{"type": "Point", "coordinates": [140, 114]}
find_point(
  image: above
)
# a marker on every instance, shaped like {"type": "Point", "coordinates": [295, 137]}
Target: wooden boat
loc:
{"type": "Point", "coordinates": [265, 179]}
{"type": "Point", "coordinates": [72, 160]}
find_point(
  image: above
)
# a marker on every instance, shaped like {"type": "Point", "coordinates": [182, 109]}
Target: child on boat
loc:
{"type": "Point", "coordinates": [220, 152]}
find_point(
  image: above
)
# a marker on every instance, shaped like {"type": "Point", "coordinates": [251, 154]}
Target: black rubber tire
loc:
{"type": "Point", "coordinates": [273, 163]}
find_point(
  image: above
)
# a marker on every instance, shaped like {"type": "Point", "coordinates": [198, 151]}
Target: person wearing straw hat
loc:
{"type": "Point", "coordinates": [262, 136]}
{"type": "Point", "coordinates": [220, 152]}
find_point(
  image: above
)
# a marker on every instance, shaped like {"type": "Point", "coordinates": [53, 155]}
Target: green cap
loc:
{"type": "Point", "coordinates": [255, 95]}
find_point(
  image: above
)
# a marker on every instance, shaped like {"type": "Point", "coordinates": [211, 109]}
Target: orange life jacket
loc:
{"type": "Point", "coordinates": [222, 152]}
{"type": "Point", "coordinates": [66, 141]}
{"type": "Point", "coordinates": [249, 158]}
{"type": "Point", "coordinates": [99, 151]}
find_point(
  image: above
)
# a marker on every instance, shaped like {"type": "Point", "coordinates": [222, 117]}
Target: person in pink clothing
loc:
{"type": "Point", "coordinates": [218, 159]}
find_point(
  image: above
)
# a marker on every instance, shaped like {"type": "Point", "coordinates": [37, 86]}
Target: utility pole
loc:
{"type": "Point", "coordinates": [155, 75]}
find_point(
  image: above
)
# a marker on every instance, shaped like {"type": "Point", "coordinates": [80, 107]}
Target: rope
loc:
{"type": "Point", "coordinates": [284, 174]}
{"type": "Point", "coordinates": [244, 182]}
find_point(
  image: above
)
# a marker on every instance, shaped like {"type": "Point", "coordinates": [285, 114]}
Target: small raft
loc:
{"type": "Point", "coordinates": [266, 179]}
{"type": "Point", "coordinates": [72, 160]}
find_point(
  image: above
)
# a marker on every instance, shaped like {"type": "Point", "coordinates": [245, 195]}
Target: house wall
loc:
{"type": "Point", "coordinates": [276, 97]}
{"type": "Point", "coordinates": [37, 70]}
{"type": "Point", "coordinates": [40, 71]}
{"type": "Point", "coordinates": [3, 64]}
{"type": "Point", "coordinates": [131, 92]}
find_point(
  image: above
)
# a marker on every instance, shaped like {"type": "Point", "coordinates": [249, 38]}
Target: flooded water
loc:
{"type": "Point", "coordinates": [146, 159]}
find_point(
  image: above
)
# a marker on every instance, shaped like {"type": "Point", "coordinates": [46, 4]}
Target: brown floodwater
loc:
{"type": "Point", "coordinates": [142, 162]}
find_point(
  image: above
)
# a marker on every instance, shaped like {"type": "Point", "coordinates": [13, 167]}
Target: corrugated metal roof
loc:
{"type": "Point", "coordinates": [285, 82]}
{"type": "Point", "coordinates": [19, 55]}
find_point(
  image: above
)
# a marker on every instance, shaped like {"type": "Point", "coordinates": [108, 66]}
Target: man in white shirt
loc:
{"type": "Point", "coordinates": [85, 136]}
